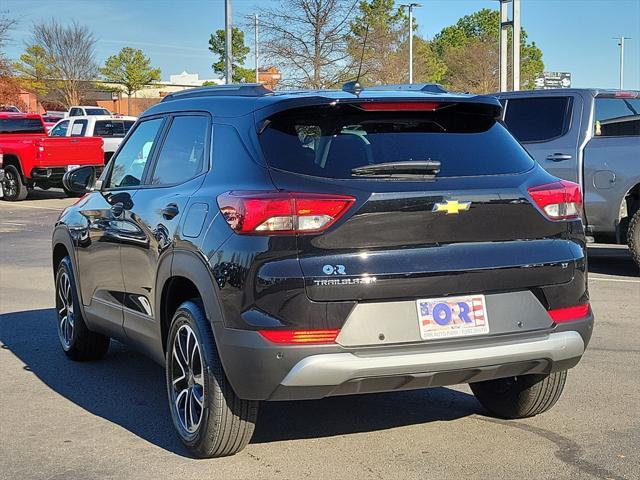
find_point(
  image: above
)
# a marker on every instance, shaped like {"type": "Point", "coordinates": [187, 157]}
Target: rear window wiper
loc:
{"type": "Point", "coordinates": [410, 168]}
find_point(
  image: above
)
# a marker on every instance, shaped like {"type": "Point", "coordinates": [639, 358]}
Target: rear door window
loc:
{"type": "Point", "coordinates": [538, 119]}
{"type": "Point", "coordinates": [182, 155]}
{"type": "Point", "coordinates": [111, 128]}
{"type": "Point", "coordinates": [616, 117]}
{"type": "Point", "coordinates": [78, 128]}
{"type": "Point", "coordinates": [330, 141]}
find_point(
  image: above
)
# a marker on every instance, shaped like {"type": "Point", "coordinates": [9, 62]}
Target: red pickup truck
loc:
{"type": "Point", "coordinates": [33, 159]}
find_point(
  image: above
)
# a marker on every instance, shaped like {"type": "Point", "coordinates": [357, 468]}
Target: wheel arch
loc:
{"type": "Point", "coordinates": [629, 204]}
{"type": "Point", "coordinates": [182, 276]}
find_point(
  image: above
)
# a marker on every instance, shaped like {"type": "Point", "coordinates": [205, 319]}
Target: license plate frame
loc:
{"type": "Point", "coordinates": [445, 317]}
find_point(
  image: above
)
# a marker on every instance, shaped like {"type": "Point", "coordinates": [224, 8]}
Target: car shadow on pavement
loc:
{"type": "Point", "coordinates": [128, 389]}
{"type": "Point", "coordinates": [612, 261]}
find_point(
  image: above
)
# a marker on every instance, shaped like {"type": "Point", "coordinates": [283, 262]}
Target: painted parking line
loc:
{"type": "Point", "coordinates": [621, 280]}
{"type": "Point", "coordinates": [21, 205]}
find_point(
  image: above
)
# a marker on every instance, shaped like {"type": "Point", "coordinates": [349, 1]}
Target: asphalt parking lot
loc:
{"type": "Point", "coordinates": [110, 419]}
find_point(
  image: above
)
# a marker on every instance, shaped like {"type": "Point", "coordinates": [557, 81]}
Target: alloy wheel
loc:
{"type": "Point", "coordinates": [187, 379]}
{"type": "Point", "coordinates": [9, 184]}
{"type": "Point", "coordinates": [64, 305]}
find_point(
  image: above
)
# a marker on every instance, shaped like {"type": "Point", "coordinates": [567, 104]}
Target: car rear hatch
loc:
{"type": "Point", "coordinates": [455, 218]}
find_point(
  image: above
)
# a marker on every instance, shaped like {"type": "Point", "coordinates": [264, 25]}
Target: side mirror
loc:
{"type": "Point", "coordinates": [80, 181]}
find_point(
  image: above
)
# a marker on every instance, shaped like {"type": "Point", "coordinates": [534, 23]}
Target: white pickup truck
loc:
{"type": "Point", "coordinates": [111, 128]}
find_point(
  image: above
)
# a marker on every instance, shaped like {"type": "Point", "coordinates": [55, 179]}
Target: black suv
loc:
{"type": "Point", "coordinates": [297, 245]}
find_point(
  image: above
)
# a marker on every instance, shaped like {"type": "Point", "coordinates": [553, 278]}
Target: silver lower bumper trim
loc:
{"type": "Point", "coordinates": [338, 368]}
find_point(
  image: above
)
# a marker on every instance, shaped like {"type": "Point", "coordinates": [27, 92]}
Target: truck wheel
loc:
{"type": "Point", "coordinates": [211, 421]}
{"type": "Point", "coordinates": [13, 188]}
{"type": "Point", "coordinates": [520, 397]}
{"type": "Point", "coordinates": [633, 237]}
{"type": "Point", "coordinates": [78, 342]}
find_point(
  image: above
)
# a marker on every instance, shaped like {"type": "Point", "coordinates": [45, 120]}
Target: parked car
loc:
{"type": "Point", "coordinates": [50, 120]}
{"type": "Point", "coordinates": [33, 159]}
{"type": "Point", "coordinates": [299, 245]}
{"type": "Point", "coordinates": [1, 174]}
{"type": "Point", "coordinates": [111, 128]}
{"type": "Point", "coordinates": [82, 111]}
{"type": "Point", "coordinates": [9, 109]}
{"type": "Point", "coordinates": [591, 137]}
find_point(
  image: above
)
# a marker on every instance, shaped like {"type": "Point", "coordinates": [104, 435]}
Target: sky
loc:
{"type": "Point", "coordinates": [574, 35]}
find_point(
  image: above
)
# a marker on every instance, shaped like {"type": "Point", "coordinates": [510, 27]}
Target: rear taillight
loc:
{"type": "Point", "coordinates": [300, 336]}
{"type": "Point", "coordinates": [561, 200]}
{"type": "Point", "coordinates": [265, 213]}
{"type": "Point", "coordinates": [568, 314]}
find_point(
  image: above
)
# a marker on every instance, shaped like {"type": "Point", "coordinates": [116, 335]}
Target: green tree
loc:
{"type": "Point", "coordinates": [239, 52]}
{"type": "Point", "coordinates": [470, 37]}
{"type": "Point", "coordinates": [35, 71]}
{"type": "Point", "coordinates": [131, 69]}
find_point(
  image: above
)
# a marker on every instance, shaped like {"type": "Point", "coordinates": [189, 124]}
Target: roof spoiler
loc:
{"type": "Point", "coordinates": [231, 90]}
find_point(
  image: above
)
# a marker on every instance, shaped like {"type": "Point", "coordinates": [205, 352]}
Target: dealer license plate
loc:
{"type": "Point", "coordinates": [452, 317]}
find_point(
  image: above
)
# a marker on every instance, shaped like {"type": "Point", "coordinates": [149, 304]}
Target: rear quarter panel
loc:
{"type": "Point", "coordinates": [611, 169]}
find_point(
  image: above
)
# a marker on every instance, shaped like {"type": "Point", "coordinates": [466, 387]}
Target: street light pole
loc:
{"type": "Point", "coordinates": [228, 59]}
{"type": "Point", "coordinates": [411, 6]}
{"type": "Point", "coordinates": [621, 45]}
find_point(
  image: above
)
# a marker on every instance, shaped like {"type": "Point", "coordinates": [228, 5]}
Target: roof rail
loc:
{"type": "Point", "coordinates": [233, 90]}
{"type": "Point", "coordinates": [413, 87]}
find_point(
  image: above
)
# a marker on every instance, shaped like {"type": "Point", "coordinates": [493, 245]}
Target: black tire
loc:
{"type": "Point", "coordinates": [225, 423]}
{"type": "Point", "coordinates": [78, 342]}
{"type": "Point", "coordinates": [633, 237]}
{"type": "Point", "coordinates": [13, 187]}
{"type": "Point", "coordinates": [520, 397]}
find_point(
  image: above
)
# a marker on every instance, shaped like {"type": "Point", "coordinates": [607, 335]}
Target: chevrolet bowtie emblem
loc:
{"type": "Point", "coordinates": [451, 207]}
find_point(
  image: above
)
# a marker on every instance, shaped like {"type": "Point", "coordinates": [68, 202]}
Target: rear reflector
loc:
{"type": "Point", "coordinates": [267, 213]}
{"type": "Point", "coordinates": [561, 200]}
{"type": "Point", "coordinates": [300, 336]}
{"type": "Point", "coordinates": [560, 315]}
{"type": "Point", "coordinates": [398, 106]}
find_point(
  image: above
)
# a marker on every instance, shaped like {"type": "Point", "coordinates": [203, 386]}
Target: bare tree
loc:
{"type": "Point", "coordinates": [307, 40]}
{"type": "Point", "coordinates": [473, 67]}
{"type": "Point", "coordinates": [9, 86]}
{"type": "Point", "coordinates": [72, 52]}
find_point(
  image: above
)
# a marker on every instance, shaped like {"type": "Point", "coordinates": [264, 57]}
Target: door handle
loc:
{"type": "Point", "coordinates": [170, 211]}
{"type": "Point", "coordinates": [558, 157]}
{"type": "Point", "coordinates": [117, 209]}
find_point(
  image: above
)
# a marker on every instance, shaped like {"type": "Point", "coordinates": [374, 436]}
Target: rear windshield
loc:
{"type": "Point", "coordinates": [112, 128]}
{"type": "Point", "coordinates": [96, 111]}
{"type": "Point", "coordinates": [21, 125]}
{"type": "Point", "coordinates": [329, 141]}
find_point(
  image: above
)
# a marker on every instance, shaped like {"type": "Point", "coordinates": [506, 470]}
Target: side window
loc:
{"type": "Point", "coordinates": [182, 155]}
{"type": "Point", "coordinates": [128, 165]}
{"type": "Point", "coordinates": [60, 130]}
{"type": "Point", "coordinates": [616, 117]}
{"type": "Point", "coordinates": [75, 112]}
{"type": "Point", "coordinates": [78, 128]}
{"type": "Point", "coordinates": [538, 119]}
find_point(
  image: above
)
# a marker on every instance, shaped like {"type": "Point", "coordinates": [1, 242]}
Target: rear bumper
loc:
{"type": "Point", "coordinates": [55, 174]}
{"type": "Point", "coordinates": [262, 371]}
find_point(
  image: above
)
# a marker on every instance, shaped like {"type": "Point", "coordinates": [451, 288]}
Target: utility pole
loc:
{"type": "Point", "coordinates": [621, 45]}
{"type": "Point", "coordinates": [411, 6]}
{"type": "Point", "coordinates": [228, 58]}
{"type": "Point", "coordinates": [256, 47]}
